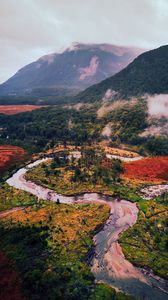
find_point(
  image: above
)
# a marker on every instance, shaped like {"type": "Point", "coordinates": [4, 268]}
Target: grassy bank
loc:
{"type": "Point", "coordinates": [145, 244]}
{"type": "Point", "coordinates": [11, 197]}
{"type": "Point", "coordinates": [95, 174]}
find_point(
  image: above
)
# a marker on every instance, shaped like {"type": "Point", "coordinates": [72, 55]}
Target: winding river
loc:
{"type": "Point", "coordinates": [108, 264]}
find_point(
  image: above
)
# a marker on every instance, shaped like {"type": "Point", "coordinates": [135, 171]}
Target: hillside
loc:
{"type": "Point", "coordinates": [146, 74]}
{"type": "Point", "coordinates": [76, 68]}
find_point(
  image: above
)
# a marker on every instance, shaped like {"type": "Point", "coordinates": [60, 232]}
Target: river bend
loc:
{"type": "Point", "coordinates": [109, 264]}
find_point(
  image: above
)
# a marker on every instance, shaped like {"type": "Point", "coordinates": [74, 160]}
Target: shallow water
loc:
{"type": "Point", "coordinates": [109, 264]}
{"type": "Point", "coordinates": [124, 158]}
{"type": "Point", "coordinates": [153, 191]}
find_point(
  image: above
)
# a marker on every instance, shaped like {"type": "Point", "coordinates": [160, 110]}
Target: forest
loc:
{"type": "Point", "coordinates": [43, 128]}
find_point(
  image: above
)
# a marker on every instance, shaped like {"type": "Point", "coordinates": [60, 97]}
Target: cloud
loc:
{"type": "Point", "coordinates": [31, 28]}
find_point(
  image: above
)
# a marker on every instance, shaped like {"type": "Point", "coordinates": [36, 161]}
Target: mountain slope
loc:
{"type": "Point", "coordinates": [78, 67]}
{"type": "Point", "coordinates": [148, 73]}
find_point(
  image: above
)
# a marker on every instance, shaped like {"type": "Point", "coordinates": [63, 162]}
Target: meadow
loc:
{"type": "Point", "coordinates": [146, 243]}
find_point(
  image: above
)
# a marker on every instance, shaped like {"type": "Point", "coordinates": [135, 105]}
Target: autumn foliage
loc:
{"type": "Point", "coordinates": [152, 169]}
{"type": "Point", "coordinates": [9, 155]}
{"type": "Point", "coordinates": [15, 109]}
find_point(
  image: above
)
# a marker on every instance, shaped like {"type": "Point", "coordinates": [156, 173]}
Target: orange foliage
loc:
{"type": "Point", "coordinates": [15, 109]}
{"type": "Point", "coordinates": [152, 169]}
{"type": "Point", "coordinates": [9, 155]}
{"type": "Point", "coordinates": [28, 215]}
{"type": "Point", "coordinates": [120, 152]}
{"type": "Point", "coordinates": [69, 218]}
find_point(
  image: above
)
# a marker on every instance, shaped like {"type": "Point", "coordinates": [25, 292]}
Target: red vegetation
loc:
{"type": "Point", "coordinates": [10, 155]}
{"type": "Point", "coordinates": [10, 287]}
{"type": "Point", "coordinates": [152, 169]}
{"type": "Point", "coordinates": [15, 109]}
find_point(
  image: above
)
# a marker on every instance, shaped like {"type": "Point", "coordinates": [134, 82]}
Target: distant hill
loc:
{"type": "Point", "coordinates": [76, 68]}
{"type": "Point", "coordinates": [148, 73]}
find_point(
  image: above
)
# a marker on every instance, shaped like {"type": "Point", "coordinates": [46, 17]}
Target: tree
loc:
{"type": "Point", "coordinates": [58, 201]}
{"type": "Point", "coordinates": [117, 169]}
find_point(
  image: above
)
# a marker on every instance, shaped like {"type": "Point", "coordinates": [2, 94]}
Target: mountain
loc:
{"type": "Point", "coordinates": [148, 73]}
{"type": "Point", "coordinates": [76, 68]}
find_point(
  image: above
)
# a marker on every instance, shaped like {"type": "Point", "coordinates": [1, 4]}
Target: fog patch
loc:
{"type": "Point", "coordinates": [158, 105]}
{"type": "Point", "coordinates": [106, 132]}
{"type": "Point", "coordinates": [107, 108]}
{"type": "Point", "coordinates": [78, 106]}
{"type": "Point", "coordinates": [155, 131]}
{"type": "Point", "coordinates": [109, 95]}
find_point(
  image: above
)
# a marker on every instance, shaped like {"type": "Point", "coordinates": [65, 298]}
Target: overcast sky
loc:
{"type": "Point", "coordinates": [32, 28]}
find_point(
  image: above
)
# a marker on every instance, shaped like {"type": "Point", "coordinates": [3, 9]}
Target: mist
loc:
{"type": "Point", "coordinates": [158, 105]}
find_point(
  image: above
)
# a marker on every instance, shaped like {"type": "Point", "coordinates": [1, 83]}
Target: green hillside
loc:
{"type": "Point", "coordinates": [146, 74]}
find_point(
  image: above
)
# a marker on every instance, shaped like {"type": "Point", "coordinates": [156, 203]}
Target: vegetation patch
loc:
{"type": "Point", "coordinates": [93, 172]}
{"type": "Point", "coordinates": [43, 128]}
{"type": "Point", "coordinates": [15, 109]}
{"type": "Point", "coordinates": [146, 243]}
{"type": "Point", "coordinates": [10, 156]}
{"type": "Point", "coordinates": [105, 292]}
{"type": "Point", "coordinates": [11, 197]}
{"type": "Point", "coordinates": [150, 170]}
{"type": "Point", "coordinates": [120, 152]}
{"type": "Point", "coordinates": [50, 246]}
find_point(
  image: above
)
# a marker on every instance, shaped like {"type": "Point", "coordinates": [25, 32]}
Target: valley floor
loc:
{"type": "Point", "coordinates": [64, 235]}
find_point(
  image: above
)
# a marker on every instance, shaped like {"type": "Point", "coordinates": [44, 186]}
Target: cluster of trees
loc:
{"type": "Point", "coordinates": [57, 162]}
{"type": "Point", "coordinates": [157, 145]}
{"type": "Point", "coordinates": [31, 251]}
{"type": "Point", "coordinates": [40, 97]}
{"type": "Point", "coordinates": [128, 123]}
{"type": "Point", "coordinates": [43, 128]}
{"type": "Point", "coordinates": [90, 168]}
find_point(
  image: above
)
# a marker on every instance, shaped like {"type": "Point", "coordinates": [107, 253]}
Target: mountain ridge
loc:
{"type": "Point", "coordinates": [78, 67]}
{"type": "Point", "coordinates": [146, 74]}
